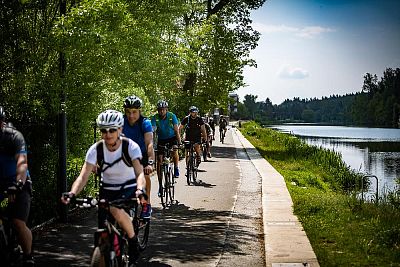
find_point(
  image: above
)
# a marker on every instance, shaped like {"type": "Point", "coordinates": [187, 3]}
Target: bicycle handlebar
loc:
{"type": "Point", "coordinates": [90, 202]}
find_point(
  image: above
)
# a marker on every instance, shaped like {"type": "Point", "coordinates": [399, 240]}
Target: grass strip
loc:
{"type": "Point", "coordinates": [342, 230]}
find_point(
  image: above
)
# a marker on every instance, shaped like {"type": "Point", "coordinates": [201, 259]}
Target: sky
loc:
{"type": "Point", "coordinates": [316, 48]}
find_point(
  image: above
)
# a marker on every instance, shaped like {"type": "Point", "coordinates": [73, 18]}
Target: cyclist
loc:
{"type": "Point", "coordinates": [15, 179]}
{"type": "Point", "coordinates": [211, 122]}
{"type": "Point", "coordinates": [139, 129]}
{"type": "Point", "coordinates": [209, 137]}
{"type": "Point", "coordinates": [194, 130]}
{"type": "Point", "coordinates": [118, 180]}
{"type": "Point", "coordinates": [223, 123]}
{"type": "Point", "coordinates": [166, 127]}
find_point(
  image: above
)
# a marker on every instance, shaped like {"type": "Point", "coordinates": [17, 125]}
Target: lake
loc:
{"type": "Point", "coordinates": [374, 151]}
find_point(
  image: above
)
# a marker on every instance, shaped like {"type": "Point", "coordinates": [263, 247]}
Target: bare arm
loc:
{"type": "Point", "coordinates": [141, 182]}
{"type": "Point", "coordinates": [82, 179]}
{"type": "Point", "coordinates": [203, 131]}
{"type": "Point", "coordinates": [22, 167]}
{"type": "Point", "coordinates": [177, 133]}
{"type": "Point", "coordinates": [148, 140]}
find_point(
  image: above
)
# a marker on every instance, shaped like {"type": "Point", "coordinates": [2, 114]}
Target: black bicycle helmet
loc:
{"type": "Point", "coordinates": [133, 102]}
{"type": "Point", "coordinates": [2, 113]}
{"type": "Point", "coordinates": [193, 109]}
{"type": "Point", "coordinates": [162, 104]}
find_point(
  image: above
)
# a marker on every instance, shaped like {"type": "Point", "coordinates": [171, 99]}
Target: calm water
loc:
{"type": "Point", "coordinates": [374, 151]}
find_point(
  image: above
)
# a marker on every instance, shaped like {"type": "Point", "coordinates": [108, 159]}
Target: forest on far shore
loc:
{"type": "Point", "coordinates": [376, 105]}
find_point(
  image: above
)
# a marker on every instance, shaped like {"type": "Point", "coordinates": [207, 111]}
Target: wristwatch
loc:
{"type": "Point", "coordinates": [151, 162]}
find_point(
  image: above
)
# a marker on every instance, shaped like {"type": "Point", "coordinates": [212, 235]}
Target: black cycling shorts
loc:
{"type": "Point", "coordinates": [22, 205]}
{"type": "Point", "coordinates": [166, 142]}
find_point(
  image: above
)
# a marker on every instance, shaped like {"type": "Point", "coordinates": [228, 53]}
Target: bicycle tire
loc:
{"type": "Point", "coordinates": [189, 170]}
{"type": "Point", "coordinates": [204, 152]}
{"type": "Point", "coordinates": [166, 186]}
{"type": "Point", "coordinates": [142, 230]}
{"type": "Point", "coordinates": [163, 193]}
{"type": "Point", "coordinates": [170, 185]}
{"type": "Point", "coordinates": [194, 175]}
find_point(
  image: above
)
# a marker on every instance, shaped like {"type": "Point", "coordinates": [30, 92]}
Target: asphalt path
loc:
{"type": "Point", "coordinates": [217, 222]}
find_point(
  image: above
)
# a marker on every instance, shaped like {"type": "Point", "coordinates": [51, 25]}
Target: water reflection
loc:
{"type": "Point", "coordinates": [374, 151]}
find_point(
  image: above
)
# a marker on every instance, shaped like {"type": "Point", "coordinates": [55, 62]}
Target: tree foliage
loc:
{"type": "Point", "coordinates": [187, 52]}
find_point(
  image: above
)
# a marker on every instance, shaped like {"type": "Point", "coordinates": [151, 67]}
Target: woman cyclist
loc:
{"type": "Point", "coordinates": [118, 180]}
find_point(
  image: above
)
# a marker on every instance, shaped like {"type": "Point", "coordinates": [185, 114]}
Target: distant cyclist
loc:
{"type": "Point", "coordinates": [194, 130]}
{"type": "Point", "coordinates": [223, 123]}
{"type": "Point", "coordinates": [166, 128]}
{"type": "Point", "coordinates": [120, 178]}
{"type": "Point", "coordinates": [211, 122]}
{"type": "Point", "coordinates": [209, 136]}
{"type": "Point", "coordinates": [139, 129]}
{"type": "Point", "coordinates": [15, 180]}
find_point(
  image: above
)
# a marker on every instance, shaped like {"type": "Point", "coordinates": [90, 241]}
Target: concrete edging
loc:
{"type": "Point", "coordinates": [286, 243]}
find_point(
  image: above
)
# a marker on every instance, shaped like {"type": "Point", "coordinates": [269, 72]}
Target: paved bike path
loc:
{"type": "Point", "coordinates": [222, 221]}
{"type": "Point", "coordinates": [217, 222]}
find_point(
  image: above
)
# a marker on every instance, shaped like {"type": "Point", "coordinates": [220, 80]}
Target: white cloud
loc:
{"type": "Point", "coordinates": [288, 72]}
{"type": "Point", "coordinates": [304, 32]}
{"type": "Point", "coordinates": [310, 32]}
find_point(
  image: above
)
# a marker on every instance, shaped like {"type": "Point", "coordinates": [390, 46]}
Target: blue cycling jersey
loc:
{"type": "Point", "coordinates": [136, 132]}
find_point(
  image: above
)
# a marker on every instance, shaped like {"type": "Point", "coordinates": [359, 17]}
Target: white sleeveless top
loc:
{"type": "Point", "coordinates": [119, 173]}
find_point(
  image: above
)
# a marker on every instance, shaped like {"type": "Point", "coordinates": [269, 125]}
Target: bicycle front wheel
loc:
{"type": "Point", "coordinates": [204, 153]}
{"type": "Point", "coordinates": [142, 230]}
{"type": "Point", "coordinates": [163, 194]}
{"type": "Point", "coordinates": [189, 170]}
{"type": "Point", "coordinates": [171, 185]}
{"type": "Point", "coordinates": [98, 259]}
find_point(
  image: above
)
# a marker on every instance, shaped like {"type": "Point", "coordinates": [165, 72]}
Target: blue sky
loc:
{"type": "Point", "coordinates": [315, 48]}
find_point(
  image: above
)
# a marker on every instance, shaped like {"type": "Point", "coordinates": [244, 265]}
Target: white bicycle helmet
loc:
{"type": "Point", "coordinates": [110, 119]}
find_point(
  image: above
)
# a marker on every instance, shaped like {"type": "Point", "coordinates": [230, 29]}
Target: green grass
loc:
{"type": "Point", "coordinates": [342, 230]}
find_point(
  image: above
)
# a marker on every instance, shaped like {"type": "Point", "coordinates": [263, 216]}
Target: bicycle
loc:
{"type": "Point", "coordinates": [204, 147]}
{"type": "Point", "coordinates": [191, 163]}
{"type": "Point", "coordinates": [167, 177]}
{"type": "Point", "coordinates": [221, 135]}
{"type": "Point", "coordinates": [110, 241]}
{"type": "Point", "coordinates": [10, 251]}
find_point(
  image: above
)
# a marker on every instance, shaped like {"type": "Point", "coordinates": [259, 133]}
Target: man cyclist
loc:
{"type": "Point", "coordinates": [194, 130]}
{"type": "Point", "coordinates": [118, 179]}
{"type": "Point", "coordinates": [223, 123]}
{"type": "Point", "coordinates": [139, 129]}
{"type": "Point", "coordinates": [166, 127]}
{"type": "Point", "coordinates": [15, 180]}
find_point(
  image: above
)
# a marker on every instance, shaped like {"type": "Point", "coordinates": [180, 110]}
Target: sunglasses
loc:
{"type": "Point", "coordinates": [110, 130]}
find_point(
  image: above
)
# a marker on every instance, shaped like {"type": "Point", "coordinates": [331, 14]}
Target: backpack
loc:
{"type": "Point", "coordinates": [169, 118]}
{"type": "Point", "coordinates": [124, 156]}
